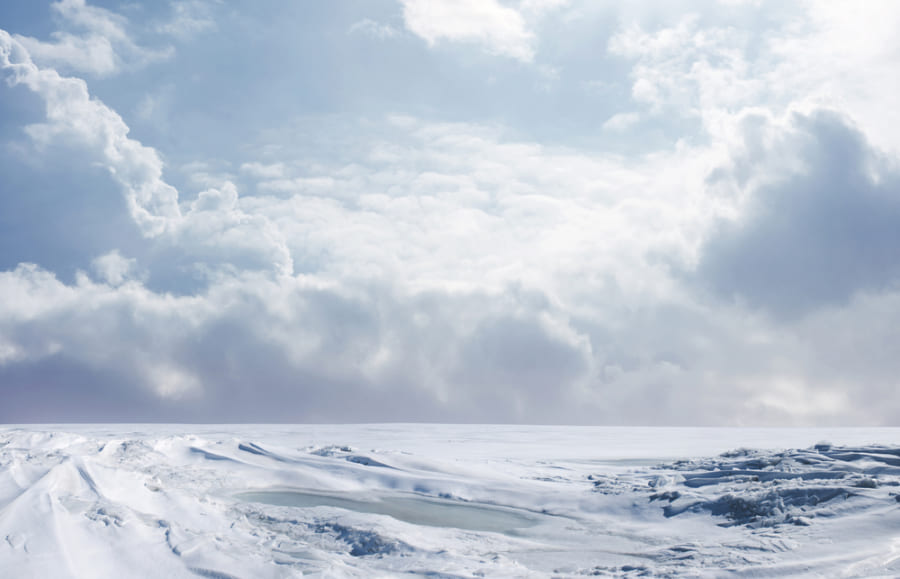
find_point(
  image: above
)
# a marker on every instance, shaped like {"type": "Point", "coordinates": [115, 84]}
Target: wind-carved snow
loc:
{"type": "Point", "coordinates": [445, 501]}
{"type": "Point", "coordinates": [762, 489]}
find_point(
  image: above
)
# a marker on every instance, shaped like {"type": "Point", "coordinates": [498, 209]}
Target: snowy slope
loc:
{"type": "Point", "coordinates": [447, 501]}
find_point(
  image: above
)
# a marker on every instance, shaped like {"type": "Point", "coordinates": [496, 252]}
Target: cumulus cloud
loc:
{"type": "Point", "coordinates": [213, 218]}
{"type": "Point", "coordinates": [307, 350]}
{"type": "Point", "coordinates": [71, 113]}
{"type": "Point", "coordinates": [832, 57]}
{"type": "Point", "coordinates": [818, 234]}
{"type": "Point", "coordinates": [93, 324]}
{"type": "Point", "coordinates": [103, 46]}
{"type": "Point", "coordinates": [499, 29]}
{"type": "Point", "coordinates": [253, 348]}
{"type": "Point", "coordinates": [217, 230]}
{"type": "Point", "coordinates": [513, 365]}
{"type": "Point", "coordinates": [113, 268]}
{"type": "Point", "coordinates": [709, 66]}
{"type": "Point", "coordinates": [689, 70]}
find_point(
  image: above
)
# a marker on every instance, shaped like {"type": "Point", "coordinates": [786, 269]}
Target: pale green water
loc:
{"type": "Point", "coordinates": [418, 510]}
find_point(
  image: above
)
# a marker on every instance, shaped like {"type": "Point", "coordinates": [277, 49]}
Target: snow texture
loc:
{"type": "Point", "coordinates": [447, 501]}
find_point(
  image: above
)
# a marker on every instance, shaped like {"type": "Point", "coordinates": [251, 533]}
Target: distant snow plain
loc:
{"type": "Point", "coordinates": [267, 501]}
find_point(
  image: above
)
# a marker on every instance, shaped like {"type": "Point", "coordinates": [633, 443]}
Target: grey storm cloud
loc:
{"type": "Point", "coordinates": [817, 236]}
{"type": "Point", "coordinates": [253, 349]}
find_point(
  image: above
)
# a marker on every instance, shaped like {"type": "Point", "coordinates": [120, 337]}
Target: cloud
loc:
{"type": "Point", "coordinates": [73, 114]}
{"type": "Point", "coordinates": [92, 324]}
{"type": "Point", "coordinates": [299, 349]}
{"type": "Point", "coordinates": [499, 29]}
{"type": "Point", "coordinates": [308, 350]}
{"type": "Point", "coordinates": [820, 232]}
{"type": "Point", "coordinates": [451, 323]}
{"type": "Point", "coordinates": [404, 267]}
{"type": "Point", "coordinates": [519, 368]}
{"type": "Point", "coordinates": [373, 29]}
{"type": "Point", "coordinates": [689, 70]}
{"type": "Point", "coordinates": [215, 216]}
{"type": "Point", "coordinates": [709, 64]}
{"type": "Point", "coordinates": [831, 57]}
{"type": "Point", "coordinates": [261, 170]}
{"type": "Point", "coordinates": [441, 204]}
{"type": "Point", "coordinates": [216, 230]}
{"type": "Point", "coordinates": [621, 122]}
{"type": "Point", "coordinates": [397, 295]}
{"type": "Point", "coordinates": [101, 49]}
{"type": "Point", "coordinates": [189, 18]}
{"type": "Point", "coordinates": [113, 268]}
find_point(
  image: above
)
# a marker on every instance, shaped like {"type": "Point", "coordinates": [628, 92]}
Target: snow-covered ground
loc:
{"type": "Point", "coordinates": [447, 501]}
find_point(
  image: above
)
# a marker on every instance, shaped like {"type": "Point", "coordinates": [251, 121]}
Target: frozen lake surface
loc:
{"type": "Point", "coordinates": [418, 510]}
{"type": "Point", "coordinates": [447, 501]}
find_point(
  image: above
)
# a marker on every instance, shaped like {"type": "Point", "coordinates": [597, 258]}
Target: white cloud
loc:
{"type": "Point", "coordinates": [688, 70]}
{"type": "Point", "coordinates": [261, 170]}
{"type": "Point", "coordinates": [835, 57]}
{"type": "Point", "coordinates": [317, 350]}
{"type": "Point", "coordinates": [113, 268]}
{"type": "Point", "coordinates": [73, 114]}
{"type": "Point", "coordinates": [456, 204]}
{"type": "Point", "coordinates": [500, 29]}
{"type": "Point", "coordinates": [816, 54]}
{"type": "Point", "coordinates": [373, 29]}
{"type": "Point", "coordinates": [303, 345]}
{"type": "Point", "coordinates": [99, 325]}
{"type": "Point", "coordinates": [216, 230]}
{"type": "Point", "coordinates": [212, 220]}
{"type": "Point", "coordinates": [101, 49]}
{"type": "Point", "coordinates": [539, 7]}
{"type": "Point", "coordinates": [94, 55]}
{"type": "Point", "coordinates": [189, 18]}
{"type": "Point", "coordinates": [621, 122]}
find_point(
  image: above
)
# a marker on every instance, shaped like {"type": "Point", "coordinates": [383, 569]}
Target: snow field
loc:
{"type": "Point", "coordinates": [447, 501]}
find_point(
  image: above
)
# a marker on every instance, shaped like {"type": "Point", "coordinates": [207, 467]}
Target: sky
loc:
{"type": "Point", "coordinates": [478, 211]}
